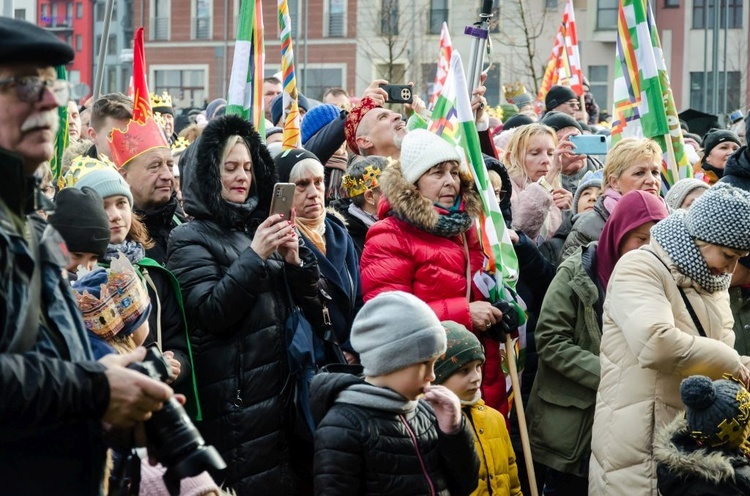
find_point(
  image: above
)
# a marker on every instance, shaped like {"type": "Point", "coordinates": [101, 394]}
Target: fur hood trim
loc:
{"type": "Point", "coordinates": [673, 449]}
{"type": "Point", "coordinates": [203, 176]}
{"type": "Point", "coordinates": [407, 202]}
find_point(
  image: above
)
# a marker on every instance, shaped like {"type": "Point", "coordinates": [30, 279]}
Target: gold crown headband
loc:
{"type": "Point", "coordinates": [163, 100]}
{"type": "Point", "coordinates": [513, 90]}
{"type": "Point", "coordinates": [369, 180]}
{"type": "Point", "coordinates": [180, 145]}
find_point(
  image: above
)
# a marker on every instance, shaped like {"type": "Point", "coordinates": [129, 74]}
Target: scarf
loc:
{"type": "Point", "coordinates": [379, 398]}
{"type": "Point", "coordinates": [367, 218]}
{"type": "Point", "coordinates": [451, 222]}
{"type": "Point", "coordinates": [132, 250]}
{"type": "Point", "coordinates": [611, 197]}
{"type": "Point", "coordinates": [672, 235]}
{"type": "Point", "coordinates": [335, 170]}
{"type": "Point", "coordinates": [474, 400]}
{"type": "Point", "coordinates": [314, 230]}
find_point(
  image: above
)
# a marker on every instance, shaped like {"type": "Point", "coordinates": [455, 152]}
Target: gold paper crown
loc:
{"type": "Point", "coordinates": [180, 145]}
{"type": "Point", "coordinates": [136, 139]}
{"type": "Point", "coordinates": [369, 180]}
{"type": "Point", "coordinates": [123, 303]}
{"type": "Point", "coordinates": [731, 432]}
{"type": "Point", "coordinates": [163, 100]}
{"type": "Point", "coordinates": [510, 91]}
{"type": "Point", "coordinates": [82, 165]}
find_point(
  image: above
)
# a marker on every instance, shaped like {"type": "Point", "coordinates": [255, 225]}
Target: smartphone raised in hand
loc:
{"type": "Point", "coordinates": [282, 199]}
{"type": "Point", "coordinates": [398, 93]}
{"type": "Point", "coordinates": [590, 144]}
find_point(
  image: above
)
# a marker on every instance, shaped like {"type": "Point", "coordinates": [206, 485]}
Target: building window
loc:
{"type": "Point", "coordinates": [336, 18]}
{"type": "Point", "coordinates": [160, 20]}
{"type": "Point", "coordinates": [112, 45]}
{"type": "Point", "coordinates": [599, 84]}
{"type": "Point", "coordinates": [202, 19]}
{"type": "Point", "coordinates": [393, 73]}
{"type": "Point", "coordinates": [316, 80]}
{"type": "Point", "coordinates": [438, 15]}
{"type": "Point", "coordinates": [389, 18]}
{"type": "Point", "coordinates": [54, 13]}
{"type": "Point", "coordinates": [728, 8]}
{"type": "Point", "coordinates": [45, 12]}
{"type": "Point", "coordinates": [79, 42]}
{"type": "Point", "coordinates": [69, 13]}
{"type": "Point", "coordinates": [671, 3]}
{"type": "Point", "coordinates": [606, 15]}
{"type": "Point", "coordinates": [701, 82]}
{"type": "Point", "coordinates": [187, 86]}
{"type": "Point", "coordinates": [112, 83]}
{"type": "Point", "coordinates": [19, 14]}
{"type": "Point", "coordinates": [79, 10]}
{"type": "Point", "coordinates": [550, 4]}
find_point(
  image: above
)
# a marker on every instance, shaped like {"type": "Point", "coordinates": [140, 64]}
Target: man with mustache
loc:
{"type": "Point", "coordinates": [54, 396]}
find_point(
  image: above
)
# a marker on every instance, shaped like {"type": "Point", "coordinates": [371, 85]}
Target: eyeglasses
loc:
{"type": "Point", "coordinates": [574, 103]}
{"type": "Point", "coordinates": [30, 89]}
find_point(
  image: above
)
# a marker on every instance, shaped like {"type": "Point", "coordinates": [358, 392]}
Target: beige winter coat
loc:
{"type": "Point", "coordinates": [649, 344]}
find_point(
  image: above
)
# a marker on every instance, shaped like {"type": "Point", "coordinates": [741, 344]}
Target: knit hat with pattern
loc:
{"type": "Point", "coordinates": [463, 347]}
{"type": "Point", "coordinates": [681, 189]}
{"type": "Point", "coordinates": [421, 150]}
{"type": "Point", "coordinates": [387, 342]}
{"type": "Point", "coordinates": [592, 179]}
{"type": "Point", "coordinates": [717, 412]}
{"type": "Point", "coordinates": [721, 216]}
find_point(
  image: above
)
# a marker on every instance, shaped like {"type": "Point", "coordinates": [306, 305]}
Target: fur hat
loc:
{"type": "Point", "coordinates": [81, 220]}
{"type": "Point", "coordinates": [681, 189]}
{"type": "Point", "coordinates": [107, 182]}
{"type": "Point", "coordinates": [714, 137]}
{"type": "Point", "coordinates": [560, 120]}
{"type": "Point", "coordinates": [317, 118]}
{"type": "Point", "coordinates": [463, 347]}
{"type": "Point", "coordinates": [278, 101]}
{"type": "Point", "coordinates": [22, 42]}
{"type": "Point", "coordinates": [354, 118]}
{"type": "Point", "coordinates": [592, 179]}
{"type": "Point", "coordinates": [717, 412]}
{"type": "Point", "coordinates": [557, 95]}
{"type": "Point", "coordinates": [421, 150]}
{"type": "Point", "coordinates": [730, 206]}
{"type": "Point", "coordinates": [387, 342]}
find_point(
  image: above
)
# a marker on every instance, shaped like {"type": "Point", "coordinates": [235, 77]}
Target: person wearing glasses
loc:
{"type": "Point", "coordinates": [562, 99]}
{"type": "Point", "coordinates": [54, 395]}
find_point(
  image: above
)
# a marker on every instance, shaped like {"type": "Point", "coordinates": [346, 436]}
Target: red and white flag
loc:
{"type": "Point", "coordinates": [444, 64]}
{"type": "Point", "coordinates": [564, 65]}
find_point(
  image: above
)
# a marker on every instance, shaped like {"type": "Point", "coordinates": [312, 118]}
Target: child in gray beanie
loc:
{"type": "Point", "coordinates": [376, 434]}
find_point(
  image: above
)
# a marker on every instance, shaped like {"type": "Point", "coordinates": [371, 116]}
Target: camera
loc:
{"type": "Point", "coordinates": [507, 324]}
{"type": "Point", "coordinates": [176, 441]}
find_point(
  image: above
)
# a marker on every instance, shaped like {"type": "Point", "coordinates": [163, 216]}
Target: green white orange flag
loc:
{"type": "Point", "coordinates": [643, 101]}
{"type": "Point", "coordinates": [62, 138]}
{"type": "Point", "coordinates": [245, 97]}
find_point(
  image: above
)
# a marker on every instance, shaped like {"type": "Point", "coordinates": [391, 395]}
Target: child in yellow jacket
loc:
{"type": "Point", "coordinates": [460, 370]}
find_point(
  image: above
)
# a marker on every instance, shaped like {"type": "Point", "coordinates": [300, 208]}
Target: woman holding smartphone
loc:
{"type": "Point", "coordinates": [233, 262]}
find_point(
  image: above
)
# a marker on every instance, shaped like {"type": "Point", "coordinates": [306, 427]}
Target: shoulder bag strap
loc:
{"type": "Point", "coordinates": [685, 299]}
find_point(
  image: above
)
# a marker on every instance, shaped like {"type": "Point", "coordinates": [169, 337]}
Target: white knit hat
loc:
{"type": "Point", "coordinates": [422, 150]}
{"type": "Point", "coordinates": [395, 330]}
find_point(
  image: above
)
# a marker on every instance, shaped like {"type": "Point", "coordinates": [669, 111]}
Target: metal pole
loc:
{"type": "Point", "coordinates": [480, 32]}
{"type": "Point", "coordinates": [99, 79]}
{"type": "Point", "coordinates": [225, 56]}
{"type": "Point", "coordinates": [304, 56]}
{"type": "Point", "coordinates": [705, 54]}
{"type": "Point", "coordinates": [726, 74]}
{"type": "Point", "coordinates": [715, 60]}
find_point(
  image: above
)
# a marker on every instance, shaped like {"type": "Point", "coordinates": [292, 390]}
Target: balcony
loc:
{"type": "Point", "coordinates": [58, 24]}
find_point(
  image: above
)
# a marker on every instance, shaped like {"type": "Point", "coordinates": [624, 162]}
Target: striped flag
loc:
{"type": "Point", "coordinates": [292, 137]}
{"type": "Point", "coordinates": [444, 62]}
{"type": "Point", "coordinates": [453, 120]}
{"type": "Point", "coordinates": [643, 101]}
{"type": "Point", "coordinates": [564, 65]}
{"type": "Point", "coordinates": [246, 81]}
{"type": "Point", "coordinates": [141, 101]}
{"type": "Point", "coordinates": [62, 138]}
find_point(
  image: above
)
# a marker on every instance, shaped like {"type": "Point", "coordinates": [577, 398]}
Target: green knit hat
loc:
{"type": "Point", "coordinates": [463, 348]}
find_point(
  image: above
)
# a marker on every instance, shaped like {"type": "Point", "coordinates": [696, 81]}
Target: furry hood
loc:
{"type": "Point", "coordinates": [202, 178]}
{"type": "Point", "coordinates": [678, 453]}
{"type": "Point", "coordinates": [403, 198]}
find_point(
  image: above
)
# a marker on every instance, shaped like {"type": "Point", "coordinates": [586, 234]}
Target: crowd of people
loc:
{"type": "Point", "coordinates": [635, 303]}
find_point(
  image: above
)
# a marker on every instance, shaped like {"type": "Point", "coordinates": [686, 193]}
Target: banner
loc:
{"type": "Point", "coordinates": [292, 137]}
{"type": "Point", "coordinates": [141, 100]}
{"type": "Point", "coordinates": [564, 65]}
{"type": "Point", "coordinates": [444, 62]}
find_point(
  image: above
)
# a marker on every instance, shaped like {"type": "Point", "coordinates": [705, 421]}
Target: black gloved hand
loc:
{"type": "Point", "coordinates": [507, 324]}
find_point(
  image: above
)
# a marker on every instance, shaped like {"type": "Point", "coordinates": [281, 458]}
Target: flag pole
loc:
{"type": "Point", "coordinates": [99, 79]}
{"type": "Point", "coordinates": [480, 32]}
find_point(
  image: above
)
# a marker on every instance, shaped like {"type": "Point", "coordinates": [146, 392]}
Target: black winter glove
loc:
{"type": "Point", "coordinates": [507, 324]}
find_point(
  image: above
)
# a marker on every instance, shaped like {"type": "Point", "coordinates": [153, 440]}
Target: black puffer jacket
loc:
{"type": "Point", "coordinates": [236, 308]}
{"type": "Point", "coordinates": [361, 451]}
{"type": "Point", "coordinates": [737, 170]}
{"type": "Point", "coordinates": [160, 223]}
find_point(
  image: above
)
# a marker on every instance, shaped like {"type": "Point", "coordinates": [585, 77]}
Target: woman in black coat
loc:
{"type": "Point", "coordinates": [231, 262]}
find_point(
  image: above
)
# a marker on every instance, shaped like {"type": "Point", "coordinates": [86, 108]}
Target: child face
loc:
{"type": "Point", "coordinates": [588, 198]}
{"type": "Point", "coordinates": [410, 382]}
{"type": "Point", "coordinates": [465, 381]}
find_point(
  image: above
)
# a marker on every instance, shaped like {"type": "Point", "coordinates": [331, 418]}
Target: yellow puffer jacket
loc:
{"type": "Point", "coordinates": [498, 474]}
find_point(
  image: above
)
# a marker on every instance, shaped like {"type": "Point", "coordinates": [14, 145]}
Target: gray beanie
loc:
{"type": "Point", "coordinates": [421, 150]}
{"type": "Point", "coordinates": [106, 182]}
{"type": "Point", "coordinates": [721, 216]}
{"type": "Point", "coordinates": [681, 189]}
{"type": "Point", "coordinates": [592, 179]}
{"type": "Point", "coordinates": [395, 330]}
{"type": "Point", "coordinates": [708, 404]}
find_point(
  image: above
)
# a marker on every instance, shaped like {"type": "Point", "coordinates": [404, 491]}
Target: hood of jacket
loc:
{"type": "Point", "coordinates": [677, 452]}
{"type": "Point", "coordinates": [324, 390]}
{"type": "Point", "coordinates": [738, 164]}
{"type": "Point", "coordinates": [202, 180]}
{"type": "Point", "coordinates": [403, 199]}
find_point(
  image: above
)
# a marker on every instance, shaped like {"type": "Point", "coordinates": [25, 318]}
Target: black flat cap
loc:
{"type": "Point", "coordinates": [23, 42]}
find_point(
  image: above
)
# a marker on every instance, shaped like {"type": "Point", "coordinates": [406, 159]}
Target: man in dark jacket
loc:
{"type": "Point", "coordinates": [54, 396]}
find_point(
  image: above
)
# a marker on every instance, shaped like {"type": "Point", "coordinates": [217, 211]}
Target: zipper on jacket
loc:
{"type": "Point", "coordinates": [419, 455]}
{"type": "Point", "coordinates": [238, 399]}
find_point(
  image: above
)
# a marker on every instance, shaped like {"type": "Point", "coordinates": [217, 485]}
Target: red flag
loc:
{"type": "Point", "coordinates": [446, 47]}
{"type": "Point", "coordinates": [564, 66]}
{"type": "Point", "coordinates": [141, 103]}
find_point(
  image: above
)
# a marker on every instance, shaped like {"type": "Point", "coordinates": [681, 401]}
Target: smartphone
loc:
{"type": "Point", "coordinates": [398, 93]}
{"type": "Point", "coordinates": [282, 199]}
{"type": "Point", "coordinates": [590, 144]}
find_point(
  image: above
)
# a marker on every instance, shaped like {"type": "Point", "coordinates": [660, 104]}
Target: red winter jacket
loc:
{"type": "Point", "coordinates": [400, 256]}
